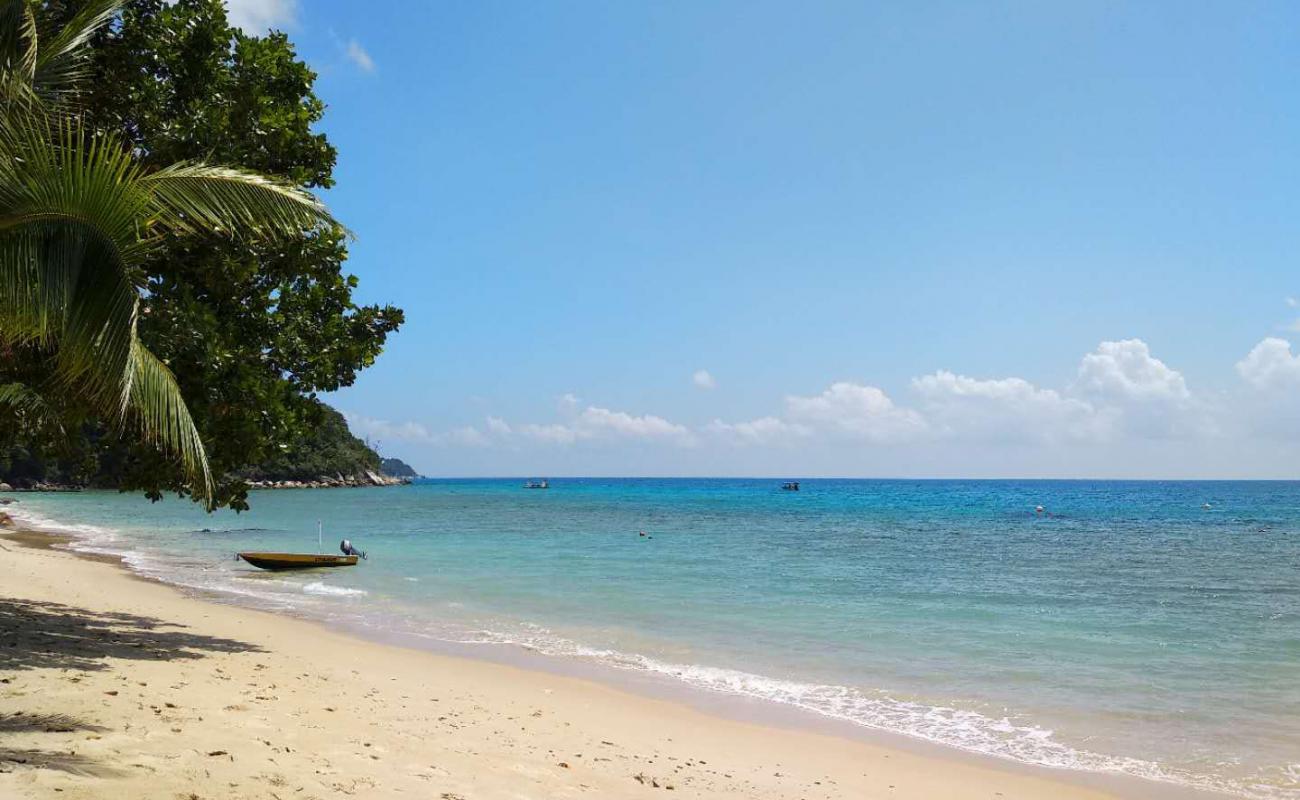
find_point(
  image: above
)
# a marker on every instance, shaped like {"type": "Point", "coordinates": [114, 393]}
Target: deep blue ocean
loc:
{"type": "Point", "coordinates": [1149, 628]}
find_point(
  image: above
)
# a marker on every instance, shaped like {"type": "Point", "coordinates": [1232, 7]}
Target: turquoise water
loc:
{"type": "Point", "coordinates": [1148, 628]}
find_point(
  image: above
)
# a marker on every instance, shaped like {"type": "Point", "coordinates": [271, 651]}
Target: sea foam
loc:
{"type": "Point", "coordinates": [317, 587]}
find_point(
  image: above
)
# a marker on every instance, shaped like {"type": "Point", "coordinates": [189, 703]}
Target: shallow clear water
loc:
{"type": "Point", "coordinates": [1133, 628]}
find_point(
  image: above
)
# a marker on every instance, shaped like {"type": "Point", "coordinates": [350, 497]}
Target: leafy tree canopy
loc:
{"type": "Point", "coordinates": [252, 330]}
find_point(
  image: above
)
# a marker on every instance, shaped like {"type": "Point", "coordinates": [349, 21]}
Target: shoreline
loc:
{"type": "Point", "coordinates": [766, 726]}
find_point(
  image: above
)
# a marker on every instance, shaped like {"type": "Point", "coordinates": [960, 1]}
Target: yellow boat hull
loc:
{"type": "Point", "coordinates": [296, 560]}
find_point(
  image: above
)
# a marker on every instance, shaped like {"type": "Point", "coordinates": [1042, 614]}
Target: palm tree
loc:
{"type": "Point", "coordinates": [79, 216]}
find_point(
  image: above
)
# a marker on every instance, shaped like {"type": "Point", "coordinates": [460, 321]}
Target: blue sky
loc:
{"type": "Point", "coordinates": [998, 239]}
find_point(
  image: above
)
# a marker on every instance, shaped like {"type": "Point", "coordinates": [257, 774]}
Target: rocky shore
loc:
{"type": "Point", "coordinates": [39, 486]}
{"type": "Point", "coordinates": [366, 478]}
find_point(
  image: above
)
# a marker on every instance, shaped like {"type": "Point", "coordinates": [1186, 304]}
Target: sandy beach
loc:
{"type": "Point", "coordinates": [116, 687]}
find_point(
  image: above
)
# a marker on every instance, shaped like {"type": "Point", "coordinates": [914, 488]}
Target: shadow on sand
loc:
{"type": "Point", "coordinates": [45, 723]}
{"type": "Point", "coordinates": [54, 636]}
{"type": "Point", "coordinates": [69, 762]}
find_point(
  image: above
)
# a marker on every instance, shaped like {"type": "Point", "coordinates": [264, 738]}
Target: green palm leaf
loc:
{"type": "Point", "coordinates": [194, 196]}
{"type": "Point", "coordinates": [78, 218]}
{"type": "Point", "coordinates": [164, 419]}
{"type": "Point", "coordinates": [62, 60]}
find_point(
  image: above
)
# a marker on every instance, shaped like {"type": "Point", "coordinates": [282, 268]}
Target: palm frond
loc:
{"type": "Point", "coordinates": [28, 405]}
{"type": "Point", "coordinates": [164, 419]}
{"type": "Point", "coordinates": [62, 61]}
{"type": "Point", "coordinates": [71, 211]}
{"type": "Point", "coordinates": [193, 197]}
{"type": "Point", "coordinates": [19, 40]}
{"type": "Point", "coordinates": [78, 216]}
{"type": "Point", "coordinates": [19, 397]}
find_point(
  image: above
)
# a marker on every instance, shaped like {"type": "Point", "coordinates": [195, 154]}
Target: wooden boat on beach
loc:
{"type": "Point", "coordinates": [296, 560]}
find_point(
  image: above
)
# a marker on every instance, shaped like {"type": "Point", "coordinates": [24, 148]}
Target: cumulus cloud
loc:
{"type": "Point", "coordinates": [254, 17]}
{"type": "Point", "coordinates": [1126, 369]}
{"type": "Point", "coordinates": [1121, 393]}
{"type": "Point", "coordinates": [764, 430]}
{"type": "Point", "coordinates": [594, 423]}
{"type": "Point", "coordinates": [1147, 397]}
{"type": "Point", "coordinates": [554, 433]}
{"type": "Point", "coordinates": [864, 412]}
{"type": "Point", "coordinates": [622, 423]}
{"type": "Point", "coordinates": [1267, 408]}
{"type": "Point", "coordinates": [358, 55]}
{"type": "Point", "coordinates": [1005, 408]}
{"type": "Point", "coordinates": [382, 430]}
{"type": "Point", "coordinates": [1270, 365]}
{"type": "Point", "coordinates": [703, 379]}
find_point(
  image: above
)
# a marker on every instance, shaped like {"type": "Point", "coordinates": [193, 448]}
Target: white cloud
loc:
{"type": "Point", "coordinates": [358, 55]}
{"type": "Point", "coordinates": [623, 424]}
{"type": "Point", "coordinates": [382, 429]}
{"type": "Point", "coordinates": [254, 17]}
{"type": "Point", "coordinates": [1270, 365]}
{"type": "Point", "coordinates": [468, 436]}
{"type": "Point", "coordinates": [1008, 409]}
{"type": "Point", "coordinates": [1267, 410]}
{"type": "Point", "coordinates": [1147, 397]}
{"type": "Point", "coordinates": [595, 423]}
{"type": "Point", "coordinates": [765, 430]}
{"type": "Point", "coordinates": [1127, 370]}
{"type": "Point", "coordinates": [1141, 409]}
{"type": "Point", "coordinates": [862, 411]}
{"type": "Point", "coordinates": [554, 433]}
{"type": "Point", "coordinates": [703, 379]}
{"type": "Point", "coordinates": [568, 403]}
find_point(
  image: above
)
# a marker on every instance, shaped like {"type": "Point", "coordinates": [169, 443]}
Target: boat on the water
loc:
{"type": "Point", "coordinates": [542, 484]}
{"type": "Point", "coordinates": [279, 561]}
{"type": "Point", "coordinates": [297, 560]}
{"type": "Point", "coordinates": [790, 486]}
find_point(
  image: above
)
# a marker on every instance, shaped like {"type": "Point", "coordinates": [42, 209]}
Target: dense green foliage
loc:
{"type": "Point", "coordinates": [251, 329]}
{"type": "Point", "coordinates": [397, 468]}
{"type": "Point", "coordinates": [329, 449]}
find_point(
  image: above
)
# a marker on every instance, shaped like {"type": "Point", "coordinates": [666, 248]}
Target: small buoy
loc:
{"type": "Point", "coordinates": [1038, 510]}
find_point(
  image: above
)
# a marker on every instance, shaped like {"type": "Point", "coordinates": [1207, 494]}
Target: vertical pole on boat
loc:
{"type": "Point", "coordinates": [319, 545]}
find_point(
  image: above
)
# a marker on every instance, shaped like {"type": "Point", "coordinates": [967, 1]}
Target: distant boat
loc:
{"type": "Point", "coordinates": [279, 561]}
{"type": "Point", "coordinates": [790, 486]}
{"type": "Point", "coordinates": [542, 484]}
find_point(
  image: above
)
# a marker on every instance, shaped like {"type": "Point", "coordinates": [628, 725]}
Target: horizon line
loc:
{"type": "Point", "coordinates": [551, 476]}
